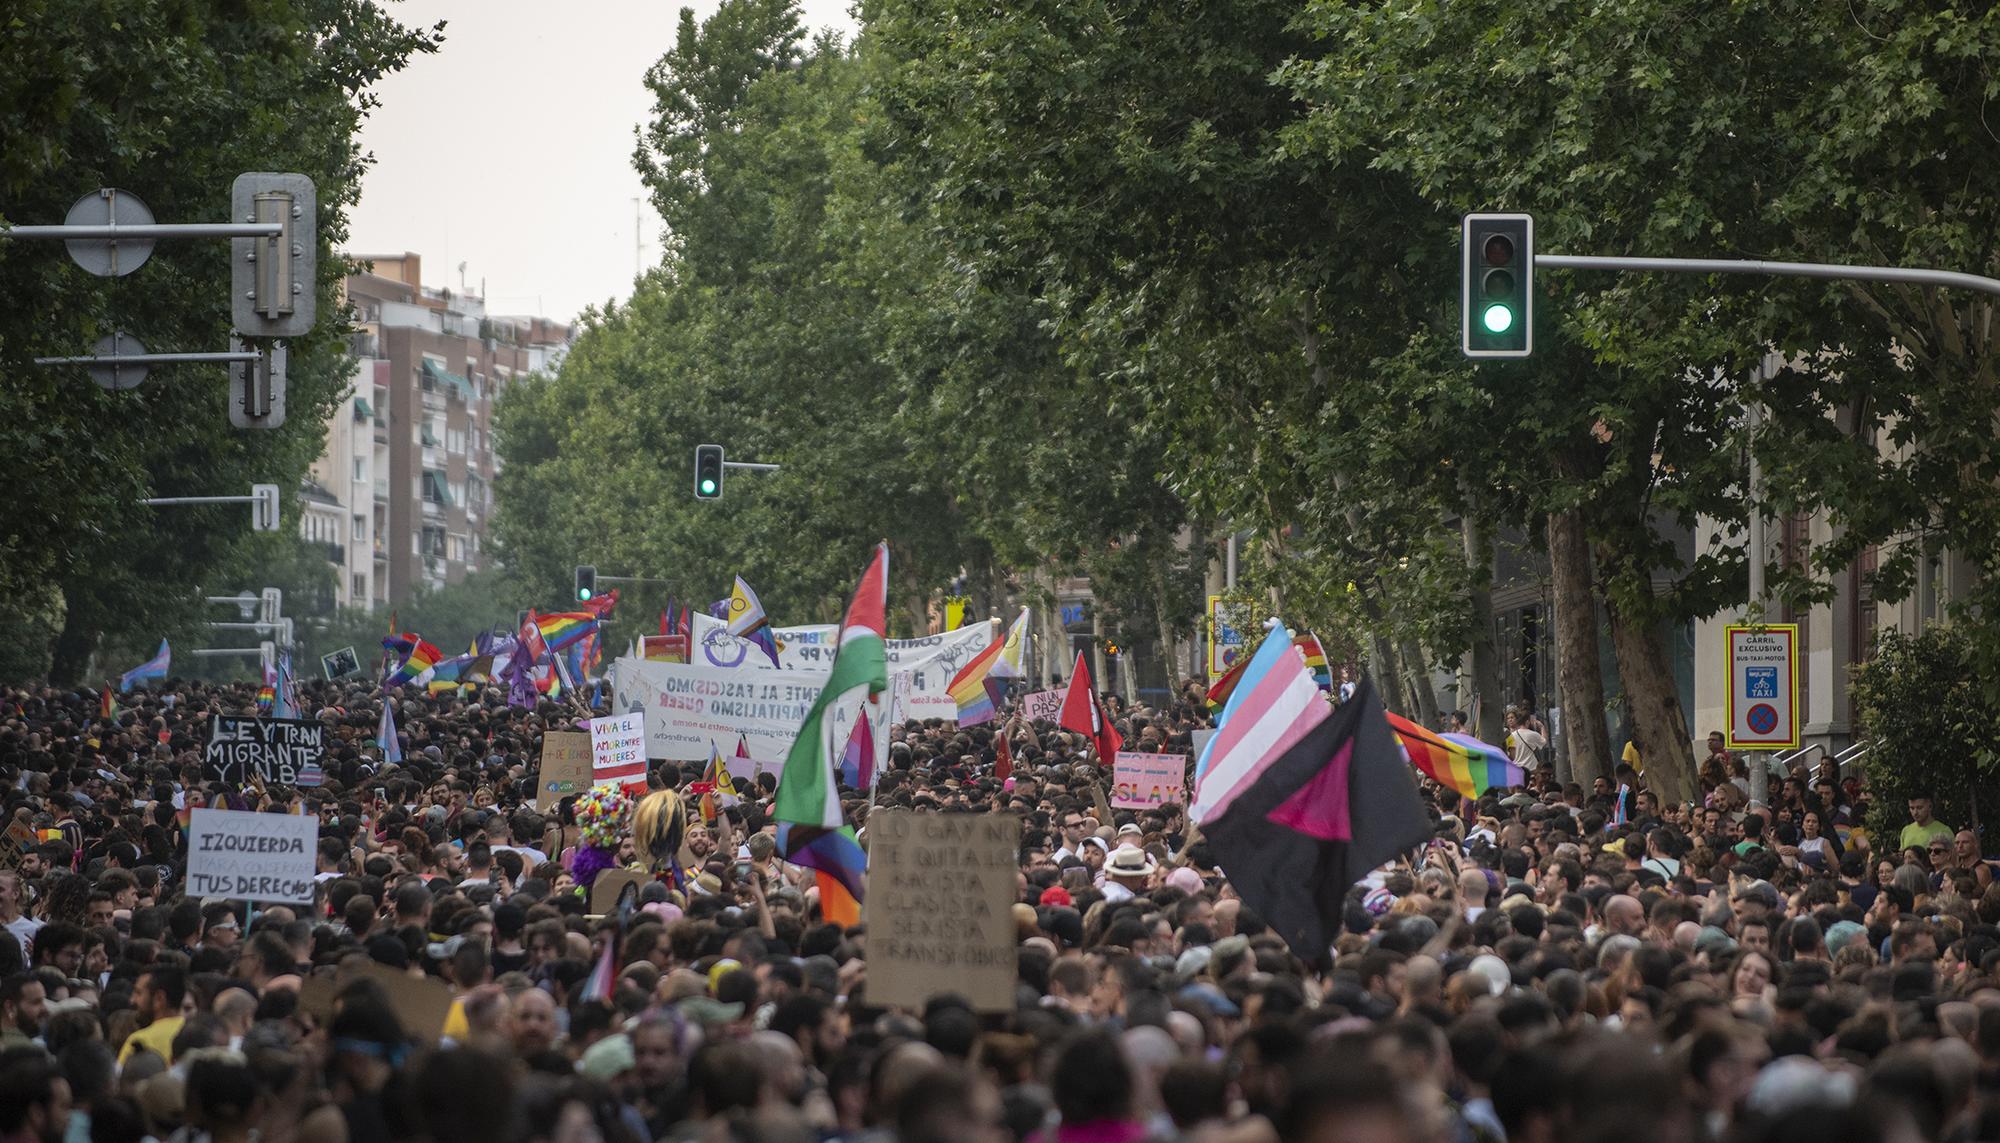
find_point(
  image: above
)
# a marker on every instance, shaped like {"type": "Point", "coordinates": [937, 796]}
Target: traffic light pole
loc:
{"type": "Point", "coordinates": [1950, 279]}
{"type": "Point", "coordinates": [751, 465]}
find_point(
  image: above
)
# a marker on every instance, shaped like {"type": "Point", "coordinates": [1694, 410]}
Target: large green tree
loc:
{"type": "Point", "coordinates": [169, 101]}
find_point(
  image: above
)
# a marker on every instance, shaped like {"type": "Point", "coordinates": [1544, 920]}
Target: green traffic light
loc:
{"type": "Point", "coordinates": [708, 487]}
{"type": "Point", "coordinates": [583, 593]}
{"type": "Point", "coordinates": [1497, 318]}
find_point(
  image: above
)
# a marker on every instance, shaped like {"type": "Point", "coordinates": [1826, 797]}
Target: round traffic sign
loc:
{"type": "Point", "coordinates": [107, 257]}
{"type": "Point", "coordinates": [1762, 718]}
{"type": "Point", "coordinates": [107, 372]}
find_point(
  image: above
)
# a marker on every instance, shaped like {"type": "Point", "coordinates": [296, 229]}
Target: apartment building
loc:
{"type": "Point", "coordinates": [409, 458]}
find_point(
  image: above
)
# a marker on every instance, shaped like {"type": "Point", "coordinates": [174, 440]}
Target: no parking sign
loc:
{"type": "Point", "coordinates": [1763, 685]}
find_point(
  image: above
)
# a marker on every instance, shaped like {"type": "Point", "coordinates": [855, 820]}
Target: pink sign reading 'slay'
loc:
{"type": "Point", "coordinates": [1145, 781]}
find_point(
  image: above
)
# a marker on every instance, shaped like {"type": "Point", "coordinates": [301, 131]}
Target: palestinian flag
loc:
{"type": "Point", "coordinates": [810, 829]}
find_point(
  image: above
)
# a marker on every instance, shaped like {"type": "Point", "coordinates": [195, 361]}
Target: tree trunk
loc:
{"type": "Point", "coordinates": [1422, 695]}
{"type": "Point", "coordinates": [1055, 645]}
{"type": "Point", "coordinates": [1485, 662]}
{"type": "Point", "coordinates": [1388, 674]}
{"type": "Point", "coordinates": [1579, 674]}
{"type": "Point", "coordinates": [1098, 681]}
{"type": "Point", "coordinates": [75, 643]}
{"type": "Point", "coordinates": [1169, 649]}
{"type": "Point", "coordinates": [1658, 723]}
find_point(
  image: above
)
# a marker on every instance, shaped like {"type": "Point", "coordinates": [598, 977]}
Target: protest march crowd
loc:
{"type": "Point", "coordinates": [1542, 962]}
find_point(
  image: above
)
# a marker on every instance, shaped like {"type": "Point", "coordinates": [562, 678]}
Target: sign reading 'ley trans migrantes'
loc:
{"type": "Point", "coordinates": [286, 751]}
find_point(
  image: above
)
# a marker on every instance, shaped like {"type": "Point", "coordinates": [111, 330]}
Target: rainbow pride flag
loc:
{"type": "Point", "coordinates": [413, 658]}
{"type": "Point", "coordinates": [1316, 663]}
{"type": "Point", "coordinates": [564, 628]}
{"type": "Point", "coordinates": [975, 690]}
{"type": "Point", "coordinates": [857, 762]}
{"type": "Point", "coordinates": [1463, 763]}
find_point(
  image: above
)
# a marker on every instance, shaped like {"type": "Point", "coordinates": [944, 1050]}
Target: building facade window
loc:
{"type": "Point", "coordinates": [360, 527]}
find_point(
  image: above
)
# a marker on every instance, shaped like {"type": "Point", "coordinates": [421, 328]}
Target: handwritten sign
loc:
{"type": "Point", "coordinates": [1147, 781]}
{"type": "Point", "coordinates": [565, 767]}
{"type": "Point", "coordinates": [1043, 706]}
{"type": "Point", "coordinates": [618, 747]}
{"type": "Point", "coordinates": [941, 889]}
{"type": "Point", "coordinates": [287, 751]}
{"type": "Point", "coordinates": [252, 857]}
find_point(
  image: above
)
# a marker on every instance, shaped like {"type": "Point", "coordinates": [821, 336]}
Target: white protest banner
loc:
{"type": "Point", "coordinates": [1043, 706]}
{"type": "Point", "coordinates": [1148, 781]}
{"type": "Point", "coordinates": [932, 659]}
{"type": "Point", "coordinates": [939, 907]}
{"type": "Point", "coordinates": [618, 748]}
{"type": "Point", "coordinates": [252, 857]}
{"type": "Point", "coordinates": [692, 710]}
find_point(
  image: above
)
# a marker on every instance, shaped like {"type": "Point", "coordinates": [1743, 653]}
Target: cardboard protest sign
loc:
{"type": "Point", "coordinates": [422, 1003]}
{"type": "Point", "coordinates": [252, 857]}
{"type": "Point", "coordinates": [242, 751]}
{"type": "Point", "coordinates": [604, 891]}
{"type": "Point", "coordinates": [565, 767]}
{"type": "Point", "coordinates": [316, 997]}
{"type": "Point", "coordinates": [941, 889]}
{"type": "Point", "coordinates": [1146, 781]}
{"type": "Point", "coordinates": [618, 748]}
{"type": "Point", "coordinates": [1043, 706]}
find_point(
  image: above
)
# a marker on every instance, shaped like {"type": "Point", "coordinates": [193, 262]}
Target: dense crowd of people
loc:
{"type": "Point", "coordinates": [1560, 962]}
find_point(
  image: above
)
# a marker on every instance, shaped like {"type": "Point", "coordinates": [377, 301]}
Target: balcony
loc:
{"type": "Point", "coordinates": [336, 554]}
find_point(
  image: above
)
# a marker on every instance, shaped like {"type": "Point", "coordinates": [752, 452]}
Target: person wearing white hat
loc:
{"type": "Point", "coordinates": [1126, 873]}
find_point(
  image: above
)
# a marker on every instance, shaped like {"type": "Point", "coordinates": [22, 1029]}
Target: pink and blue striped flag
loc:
{"type": "Point", "coordinates": [153, 668]}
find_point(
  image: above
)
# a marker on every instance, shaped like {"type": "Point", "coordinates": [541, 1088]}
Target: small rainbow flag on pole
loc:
{"type": "Point", "coordinates": [974, 688]}
{"type": "Point", "coordinates": [857, 762]}
{"type": "Point", "coordinates": [413, 657]}
{"type": "Point", "coordinates": [1463, 763]}
{"type": "Point", "coordinates": [564, 628]}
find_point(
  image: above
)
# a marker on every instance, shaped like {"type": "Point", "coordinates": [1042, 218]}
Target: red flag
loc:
{"type": "Point", "coordinates": [601, 605]}
{"type": "Point", "coordinates": [530, 637]}
{"type": "Point", "coordinates": [1003, 759]}
{"type": "Point", "coordinates": [1083, 713]}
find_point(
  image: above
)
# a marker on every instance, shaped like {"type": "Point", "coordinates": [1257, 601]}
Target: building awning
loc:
{"type": "Point", "coordinates": [363, 411]}
{"type": "Point", "coordinates": [452, 382]}
{"type": "Point", "coordinates": [436, 487]}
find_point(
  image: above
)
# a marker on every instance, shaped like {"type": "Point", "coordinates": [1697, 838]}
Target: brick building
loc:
{"type": "Point", "coordinates": [409, 453]}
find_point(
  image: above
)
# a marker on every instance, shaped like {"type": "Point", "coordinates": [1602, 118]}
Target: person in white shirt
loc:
{"type": "Point", "coordinates": [1127, 872]}
{"type": "Point", "coordinates": [1524, 745]}
{"type": "Point", "coordinates": [13, 897]}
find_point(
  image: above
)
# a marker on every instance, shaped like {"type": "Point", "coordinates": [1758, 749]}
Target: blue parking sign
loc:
{"type": "Point", "coordinates": [1760, 682]}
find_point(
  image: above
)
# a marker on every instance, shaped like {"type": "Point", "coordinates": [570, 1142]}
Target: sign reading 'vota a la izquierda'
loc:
{"type": "Point", "coordinates": [287, 751]}
{"type": "Point", "coordinates": [252, 857]}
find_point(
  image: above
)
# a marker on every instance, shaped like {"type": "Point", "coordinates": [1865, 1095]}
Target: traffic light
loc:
{"type": "Point", "coordinates": [1497, 285]}
{"type": "Point", "coordinates": [586, 583]}
{"type": "Point", "coordinates": [708, 472]}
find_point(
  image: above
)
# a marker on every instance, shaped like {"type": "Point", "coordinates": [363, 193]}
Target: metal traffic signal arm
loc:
{"type": "Point", "coordinates": [1479, 262]}
{"type": "Point", "coordinates": [263, 501]}
{"type": "Point", "coordinates": [273, 264]}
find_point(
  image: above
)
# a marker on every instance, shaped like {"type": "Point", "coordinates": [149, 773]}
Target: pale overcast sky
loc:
{"type": "Point", "coordinates": [511, 148]}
